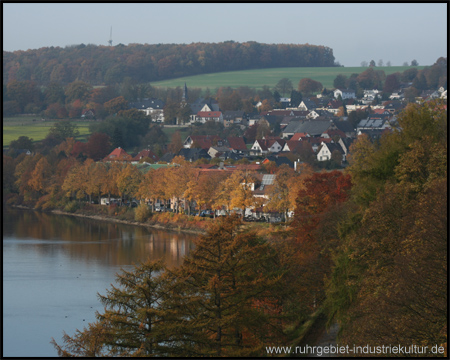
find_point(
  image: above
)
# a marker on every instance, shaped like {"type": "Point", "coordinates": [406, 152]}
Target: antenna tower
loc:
{"type": "Point", "coordinates": [110, 38]}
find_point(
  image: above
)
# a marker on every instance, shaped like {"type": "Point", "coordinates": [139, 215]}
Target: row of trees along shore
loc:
{"type": "Point", "coordinates": [367, 247]}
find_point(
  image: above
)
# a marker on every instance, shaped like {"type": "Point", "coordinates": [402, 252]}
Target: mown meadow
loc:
{"type": "Point", "coordinates": [16, 126]}
{"type": "Point", "coordinates": [259, 77]}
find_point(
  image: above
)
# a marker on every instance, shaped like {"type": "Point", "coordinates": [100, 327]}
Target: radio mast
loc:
{"type": "Point", "coordinates": [110, 38]}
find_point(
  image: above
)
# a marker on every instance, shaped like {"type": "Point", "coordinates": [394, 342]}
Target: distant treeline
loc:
{"type": "Point", "coordinates": [111, 64]}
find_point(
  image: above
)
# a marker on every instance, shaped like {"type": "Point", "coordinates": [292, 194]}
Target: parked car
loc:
{"type": "Point", "coordinates": [207, 213]}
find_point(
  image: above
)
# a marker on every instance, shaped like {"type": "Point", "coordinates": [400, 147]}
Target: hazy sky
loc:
{"type": "Point", "coordinates": [392, 32]}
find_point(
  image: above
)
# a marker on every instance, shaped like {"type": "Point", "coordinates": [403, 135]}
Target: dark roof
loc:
{"type": "Point", "coordinates": [333, 146]}
{"type": "Point", "coordinates": [147, 103]}
{"type": "Point", "coordinates": [194, 154]}
{"type": "Point", "coordinates": [314, 127]}
{"type": "Point", "coordinates": [280, 160]}
{"type": "Point", "coordinates": [231, 115]}
{"type": "Point", "coordinates": [167, 157]}
{"type": "Point", "coordinates": [344, 125]}
{"type": "Point", "coordinates": [199, 103]}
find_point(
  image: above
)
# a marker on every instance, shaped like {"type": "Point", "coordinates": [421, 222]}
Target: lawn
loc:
{"type": "Point", "coordinates": [260, 77]}
{"type": "Point", "coordinates": [13, 127]}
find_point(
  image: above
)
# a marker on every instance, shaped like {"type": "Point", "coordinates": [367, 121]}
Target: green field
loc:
{"type": "Point", "coordinates": [13, 127]}
{"type": "Point", "coordinates": [258, 78]}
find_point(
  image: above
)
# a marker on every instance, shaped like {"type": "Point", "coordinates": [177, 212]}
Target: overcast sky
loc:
{"type": "Point", "coordinates": [356, 32]}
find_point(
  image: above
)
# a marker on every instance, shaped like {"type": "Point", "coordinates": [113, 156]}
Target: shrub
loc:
{"type": "Point", "coordinates": [142, 213]}
{"type": "Point", "coordinates": [71, 206]}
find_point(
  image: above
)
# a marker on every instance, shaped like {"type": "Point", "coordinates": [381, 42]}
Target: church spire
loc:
{"type": "Point", "coordinates": [185, 90]}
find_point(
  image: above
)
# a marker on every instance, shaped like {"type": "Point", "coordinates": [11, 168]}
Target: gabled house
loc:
{"type": "Point", "coordinates": [153, 107]}
{"type": "Point", "coordinates": [264, 146]}
{"type": "Point", "coordinates": [204, 116]}
{"type": "Point", "coordinates": [88, 114]}
{"type": "Point", "coordinates": [278, 160]}
{"type": "Point", "coordinates": [203, 141]}
{"type": "Point", "coordinates": [326, 150]}
{"type": "Point", "coordinates": [194, 154]}
{"type": "Point", "coordinates": [237, 144]}
{"type": "Point", "coordinates": [145, 154]}
{"type": "Point", "coordinates": [299, 136]}
{"type": "Point", "coordinates": [233, 117]}
{"type": "Point", "coordinates": [372, 124]}
{"type": "Point", "coordinates": [118, 154]}
{"type": "Point", "coordinates": [317, 142]}
{"type": "Point", "coordinates": [344, 94]}
{"type": "Point", "coordinates": [307, 104]}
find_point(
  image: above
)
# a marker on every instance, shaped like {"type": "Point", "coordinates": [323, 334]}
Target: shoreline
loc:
{"type": "Point", "coordinates": [111, 219]}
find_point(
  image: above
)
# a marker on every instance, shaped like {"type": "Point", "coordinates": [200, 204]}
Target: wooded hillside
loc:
{"type": "Point", "coordinates": [111, 64]}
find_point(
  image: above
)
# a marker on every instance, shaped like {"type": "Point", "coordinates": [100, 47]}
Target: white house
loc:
{"type": "Point", "coordinates": [326, 150]}
{"type": "Point", "coordinates": [345, 93]}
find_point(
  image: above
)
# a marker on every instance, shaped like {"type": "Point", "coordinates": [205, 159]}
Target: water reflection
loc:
{"type": "Point", "coordinates": [90, 240]}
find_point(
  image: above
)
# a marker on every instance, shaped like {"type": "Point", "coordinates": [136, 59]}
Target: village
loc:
{"type": "Point", "coordinates": [318, 130]}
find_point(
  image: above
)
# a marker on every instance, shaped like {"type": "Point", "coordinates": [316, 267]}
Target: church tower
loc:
{"type": "Point", "coordinates": [185, 90]}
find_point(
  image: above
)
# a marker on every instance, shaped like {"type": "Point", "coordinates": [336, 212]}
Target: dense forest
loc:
{"type": "Point", "coordinates": [98, 65]}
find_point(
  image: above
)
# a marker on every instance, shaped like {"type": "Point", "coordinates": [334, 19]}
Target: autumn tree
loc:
{"type": "Point", "coordinates": [113, 106]}
{"type": "Point", "coordinates": [318, 201]}
{"type": "Point", "coordinates": [132, 320]}
{"type": "Point", "coordinates": [221, 284]}
{"type": "Point", "coordinates": [176, 143]}
{"type": "Point", "coordinates": [128, 180]}
{"type": "Point", "coordinates": [392, 260]}
{"type": "Point", "coordinates": [309, 86]}
{"type": "Point", "coordinates": [77, 90]}
{"type": "Point", "coordinates": [98, 146]}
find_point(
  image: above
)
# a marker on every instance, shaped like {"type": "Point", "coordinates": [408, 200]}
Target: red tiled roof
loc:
{"type": "Point", "coordinates": [146, 153]}
{"type": "Point", "coordinates": [236, 143]}
{"type": "Point", "coordinates": [118, 154]}
{"type": "Point", "coordinates": [298, 136]}
{"type": "Point", "coordinates": [205, 141]}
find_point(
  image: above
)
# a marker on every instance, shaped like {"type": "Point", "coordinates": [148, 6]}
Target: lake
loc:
{"type": "Point", "coordinates": [54, 266]}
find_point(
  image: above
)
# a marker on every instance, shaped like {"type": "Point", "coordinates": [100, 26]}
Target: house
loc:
{"type": "Point", "coordinates": [307, 104]}
{"type": "Point", "coordinates": [344, 94]}
{"type": "Point", "coordinates": [370, 96]}
{"type": "Point", "coordinates": [372, 124]}
{"type": "Point", "coordinates": [299, 136]}
{"type": "Point", "coordinates": [194, 154]}
{"type": "Point", "coordinates": [326, 150]}
{"type": "Point", "coordinates": [294, 146]}
{"type": "Point", "coordinates": [233, 117]}
{"type": "Point", "coordinates": [204, 105]}
{"type": "Point", "coordinates": [153, 107]}
{"type": "Point", "coordinates": [237, 144]}
{"type": "Point", "coordinates": [118, 154]}
{"type": "Point", "coordinates": [373, 134]}
{"type": "Point", "coordinates": [317, 142]}
{"type": "Point", "coordinates": [263, 146]}
{"type": "Point", "coordinates": [346, 127]}
{"type": "Point", "coordinates": [278, 160]}
{"type": "Point", "coordinates": [88, 114]}
{"type": "Point", "coordinates": [203, 141]}
{"type": "Point", "coordinates": [213, 151]}
{"type": "Point", "coordinates": [204, 116]}
{"type": "Point", "coordinates": [145, 154]}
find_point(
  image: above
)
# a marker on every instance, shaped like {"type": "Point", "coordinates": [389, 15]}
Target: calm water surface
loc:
{"type": "Point", "coordinates": [54, 266]}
